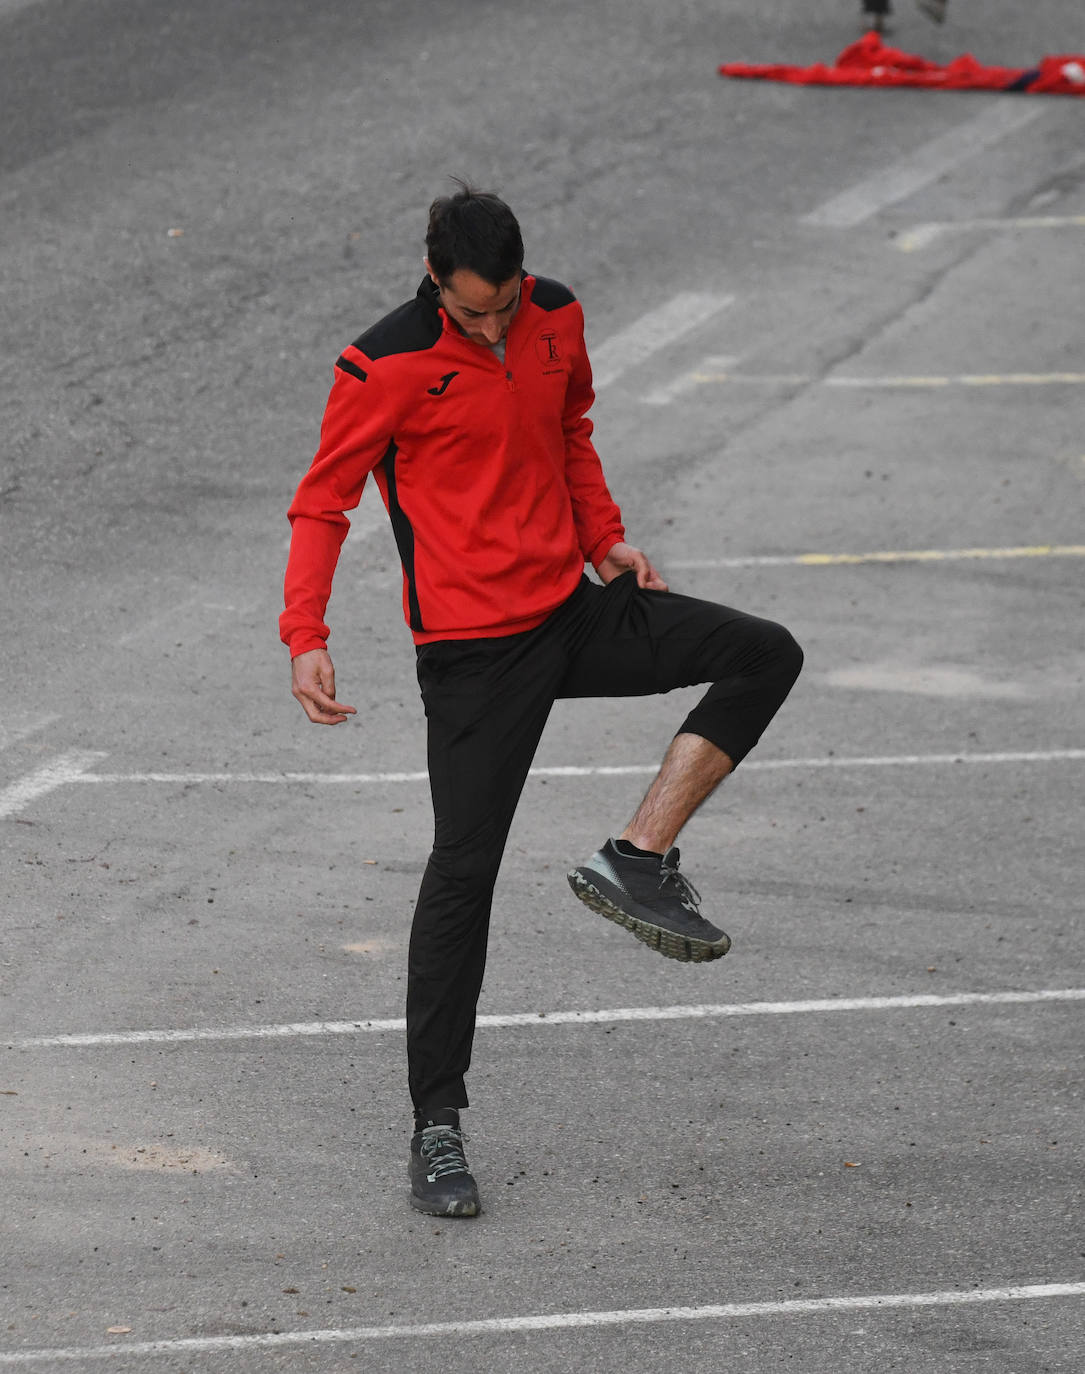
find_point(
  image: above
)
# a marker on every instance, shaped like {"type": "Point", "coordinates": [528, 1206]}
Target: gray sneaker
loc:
{"type": "Point", "coordinates": [933, 9]}
{"type": "Point", "coordinates": [653, 900]}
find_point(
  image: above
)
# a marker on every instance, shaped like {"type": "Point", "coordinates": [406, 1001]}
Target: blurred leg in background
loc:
{"type": "Point", "coordinates": [875, 15]}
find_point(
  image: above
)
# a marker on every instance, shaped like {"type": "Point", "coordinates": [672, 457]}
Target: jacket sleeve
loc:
{"type": "Point", "coordinates": [598, 520]}
{"type": "Point", "coordinates": [354, 436]}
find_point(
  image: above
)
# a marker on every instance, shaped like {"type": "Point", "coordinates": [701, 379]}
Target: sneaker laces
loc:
{"type": "Point", "coordinates": [687, 893]}
{"type": "Point", "coordinates": [442, 1149]}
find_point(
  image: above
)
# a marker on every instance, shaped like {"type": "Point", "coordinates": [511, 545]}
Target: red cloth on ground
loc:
{"type": "Point", "coordinates": [870, 62]}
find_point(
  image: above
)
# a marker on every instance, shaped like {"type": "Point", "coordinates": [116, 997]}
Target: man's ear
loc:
{"type": "Point", "coordinates": [432, 273]}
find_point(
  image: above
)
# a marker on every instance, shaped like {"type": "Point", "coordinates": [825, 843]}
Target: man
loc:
{"type": "Point", "coordinates": [469, 404]}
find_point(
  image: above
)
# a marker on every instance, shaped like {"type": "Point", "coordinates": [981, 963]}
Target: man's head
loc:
{"type": "Point", "coordinates": [475, 254]}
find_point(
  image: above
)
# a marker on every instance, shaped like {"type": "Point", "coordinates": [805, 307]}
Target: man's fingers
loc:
{"type": "Point", "coordinates": [327, 704]}
{"type": "Point", "coordinates": [313, 684]}
{"type": "Point", "coordinates": [624, 558]}
{"type": "Point", "coordinates": [323, 709]}
{"type": "Point", "coordinates": [648, 577]}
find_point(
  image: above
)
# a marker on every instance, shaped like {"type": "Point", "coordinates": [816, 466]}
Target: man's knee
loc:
{"type": "Point", "coordinates": [786, 651]}
{"type": "Point", "coordinates": [468, 865]}
{"type": "Point", "coordinates": [762, 650]}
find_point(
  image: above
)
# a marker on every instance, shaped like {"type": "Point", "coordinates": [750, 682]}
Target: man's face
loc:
{"type": "Point", "coordinates": [481, 310]}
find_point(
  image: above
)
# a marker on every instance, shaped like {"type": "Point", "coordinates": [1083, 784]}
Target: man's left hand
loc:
{"type": "Point", "coordinates": [624, 558]}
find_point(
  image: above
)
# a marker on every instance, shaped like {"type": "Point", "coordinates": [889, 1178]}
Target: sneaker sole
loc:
{"type": "Point", "coordinates": [684, 948]}
{"type": "Point", "coordinates": [452, 1209]}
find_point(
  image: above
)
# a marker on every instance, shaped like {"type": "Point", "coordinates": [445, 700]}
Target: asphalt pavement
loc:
{"type": "Point", "coordinates": [839, 345]}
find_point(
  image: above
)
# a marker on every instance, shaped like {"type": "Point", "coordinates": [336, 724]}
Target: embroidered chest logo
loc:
{"type": "Point", "coordinates": [440, 390]}
{"type": "Point", "coordinates": [546, 348]}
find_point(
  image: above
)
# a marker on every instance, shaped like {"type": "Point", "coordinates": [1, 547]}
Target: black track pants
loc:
{"type": "Point", "coordinates": [487, 701]}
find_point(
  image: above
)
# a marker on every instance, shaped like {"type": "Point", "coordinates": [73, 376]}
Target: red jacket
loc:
{"type": "Point", "coordinates": [487, 470]}
{"type": "Point", "coordinates": [870, 62]}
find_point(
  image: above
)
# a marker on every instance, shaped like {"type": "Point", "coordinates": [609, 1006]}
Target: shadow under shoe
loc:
{"type": "Point", "coordinates": [441, 1183]}
{"type": "Point", "coordinates": [649, 897]}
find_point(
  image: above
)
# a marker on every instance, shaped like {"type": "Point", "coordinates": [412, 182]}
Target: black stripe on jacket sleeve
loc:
{"type": "Point", "coordinates": [345, 365]}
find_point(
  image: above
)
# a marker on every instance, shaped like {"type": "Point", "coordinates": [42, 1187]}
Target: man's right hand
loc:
{"type": "Point", "coordinates": [314, 686]}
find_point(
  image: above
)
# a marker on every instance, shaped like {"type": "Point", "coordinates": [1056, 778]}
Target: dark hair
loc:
{"type": "Point", "coordinates": [476, 230]}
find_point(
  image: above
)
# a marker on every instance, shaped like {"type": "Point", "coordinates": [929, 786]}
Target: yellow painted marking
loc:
{"type": "Point", "coordinates": [968, 379]}
{"type": "Point", "coordinates": [829, 560]}
{"type": "Point", "coordinates": [943, 555]}
{"type": "Point", "coordinates": [924, 234]}
{"type": "Point", "coordinates": [980, 379]}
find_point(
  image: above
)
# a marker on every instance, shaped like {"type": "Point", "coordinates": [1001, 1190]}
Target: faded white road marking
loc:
{"type": "Point", "coordinates": [682, 386]}
{"type": "Point", "coordinates": [831, 560]}
{"type": "Point", "coordinates": [552, 1321]}
{"type": "Point", "coordinates": [64, 769]}
{"type": "Point", "coordinates": [652, 332]}
{"type": "Point", "coordinates": [944, 680]}
{"type": "Point", "coordinates": [497, 1021]}
{"type": "Point", "coordinates": [193, 618]}
{"type": "Point", "coordinates": [925, 234]}
{"type": "Point", "coordinates": [911, 173]}
{"type": "Point", "coordinates": [17, 725]}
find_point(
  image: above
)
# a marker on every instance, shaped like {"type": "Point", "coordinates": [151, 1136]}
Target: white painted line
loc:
{"type": "Point", "coordinates": [923, 235]}
{"type": "Point", "coordinates": [831, 560]}
{"type": "Point", "coordinates": [622, 770]}
{"type": "Point", "coordinates": [552, 1321]}
{"type": "Point", "coordinates": [833, 761]}
{"type": "Point", "coordinates": [652, 332]}
{"type": "Point", "coordinates": [925, 760]}
{"type": "Point", "coordinates": [546, 1019]}
{"type": "Point", "coordinates": [335, 779]}
{"type": "Point", "coordinates": [933, 159]}
{"type": "Point", "coordinates": [64, 769]}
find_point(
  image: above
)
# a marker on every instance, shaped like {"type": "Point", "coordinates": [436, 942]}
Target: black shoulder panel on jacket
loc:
{"type": "Point", "coordinates": [408, 329]}
{"type": "Point", "coordinates": [548, 294]}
